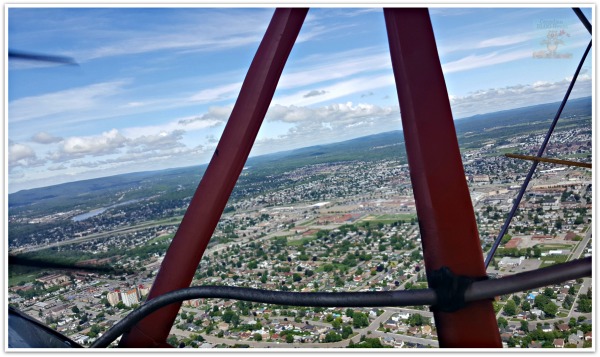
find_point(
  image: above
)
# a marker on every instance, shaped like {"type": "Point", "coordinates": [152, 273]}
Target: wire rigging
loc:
{"type": "Point", "coordinates": [478, 290]}
{"type": "Point", "coordinates": [583, 19]}
{"type": "Point", "coordinates": [534, 165]}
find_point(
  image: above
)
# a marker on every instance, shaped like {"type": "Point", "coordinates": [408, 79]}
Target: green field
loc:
{"type": "Point", "coordinates": [161, 239]}
{"type": "Point", "coordinates": [19, 279]}
{"type": "Point", "coordinates": [301, 241]}
{"type": "Point", "coordinates": [547, 247]}
{"type": "Point", "coordinates": [387, 218]}
{"type": "Point", "coordinates": [20, 274]}
{"type": "Point", "coordinates": [552, 260]}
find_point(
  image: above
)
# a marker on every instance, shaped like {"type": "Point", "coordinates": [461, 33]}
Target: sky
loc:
{"type": "Point", "coordinates": [154, 87]}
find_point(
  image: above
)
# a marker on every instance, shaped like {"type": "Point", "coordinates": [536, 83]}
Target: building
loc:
{"type": "Point", "coordinates": [143, 290]}
{"type": "Point", "coordinates": [114, 297]}
{"type": "Point", "coordinates": [53, 279]}
{"type": "Point", "coordinates": [509, 262]}
{"type": "Point", "coordinates": [130, 297]}
{"type": "Point", "coordinates": [513, 243]}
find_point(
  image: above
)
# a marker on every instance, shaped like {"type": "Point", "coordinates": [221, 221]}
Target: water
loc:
{"type": "Point", "coordinates": [97, 211]}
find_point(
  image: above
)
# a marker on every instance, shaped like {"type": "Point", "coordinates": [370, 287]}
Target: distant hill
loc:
{"type": "Point", "coordinates": [471, 131]}
{"type": "Point", "coordinates": [540, 112]}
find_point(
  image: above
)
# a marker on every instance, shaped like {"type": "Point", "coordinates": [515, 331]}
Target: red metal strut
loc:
{"type": "Point", "coordinates": [201, 218]}
{"type": "Point", "coordinates": [446, 217]}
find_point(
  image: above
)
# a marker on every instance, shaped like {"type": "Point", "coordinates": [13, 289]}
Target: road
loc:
{"type": "Point", "coordinates": [93, 236]}
{"type": "Point", "coordinates": [369, 331]}
{"type": "Point", "coordinates": [576, 254]}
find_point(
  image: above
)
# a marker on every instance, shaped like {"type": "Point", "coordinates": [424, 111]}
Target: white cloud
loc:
{"type": "Point", "coordinates": [45, 138]}
{"type": "Point", "coordinates": [338, 90]}
{"type": "Point", "coordinates": [504, 40]}
{"type": "Point", "coordinates": [57, 167]}
{"type": "Point", "coordinates": [76, 147]}
{"type": "Point", "coordinates": [215, 116]}
{"type": "Point", "coordinates": [314, 93]}
{"type": "Point", "coordinates": [335, 122]}
{"type": "Point", "coordinates": [224, 92]}
{"type": "Point", "coordinates": [320, 68]}
{"type": "Point", "coordinates": [162, 140]}
{"type": "Point", "coordinates": [70, 100]}
{"type": "Point", "coordinates": [19, 154]}
{"type": "Point", "coordinates": [488, 59]}
{"type": "Point", "coordinates": [194, 31]}
{"type": "Point", "coordinates": [521, 95]}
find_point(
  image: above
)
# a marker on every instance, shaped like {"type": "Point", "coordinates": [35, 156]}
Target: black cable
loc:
{"type": "Point", "coordinates": [319, 299]}
{"type": "Point", "coordinates": [530, 280]}
{"type": "Point", "coordinates": [583, 19]}
{"type": "Point", "coordinates": [477, 291]}
{"type": "Point", "coordinates": [535, 163]}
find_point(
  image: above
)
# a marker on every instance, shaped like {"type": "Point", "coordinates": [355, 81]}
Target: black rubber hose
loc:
{"type": "Point", "coordinates": [477, 291]}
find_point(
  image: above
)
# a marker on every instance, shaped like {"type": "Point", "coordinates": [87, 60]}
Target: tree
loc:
{"type": "Point", "coordinates": [502, 322]}
{"type": "Point", "coordinates": [360, 320]}
{"type": "Point", "coordinates": [541, 300]}
{"type": "Point", "coordinates": [526, 306]}
{"type": "Point", "coordinates": [524, 326]}
{"type": "Point", "coordinates": [549, 293]}
{"type": "Point", "coordinates": [172, 340]}
{"type": "Point", "coordinates": [585, 304]}
{"type": "Point", "coordinates": [415, 320]}
{"type": "Point", "coordinates": [228, 315]}
{"type": "Point", "coordinates": [257, 337]}
{"type": "Point", "coordinates": [550, 309]}
{"type": "Point", "coordinates": [346, 332]}
{"type": "Point", "coordinates": [337, 323]}
{"type": "Point", "coordinates": [289, 338]}
{"type": "Point", "coordinates": [333, 337]}
{"type": "Point", "coordinates": [75, 309]}
{"type": "Point", "coordinates": [516, 299]}
{"type": "Point", "coordinates": [510, 308]}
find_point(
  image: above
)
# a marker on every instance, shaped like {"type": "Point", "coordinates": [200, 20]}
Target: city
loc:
{"type": "Point", "coordinates": [337, 226]}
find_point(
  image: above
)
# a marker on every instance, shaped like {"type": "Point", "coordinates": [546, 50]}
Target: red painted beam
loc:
{"type": "Point", "coordinates": [446, 217]}
{"type": "Point", "coordinates": [206, 207]}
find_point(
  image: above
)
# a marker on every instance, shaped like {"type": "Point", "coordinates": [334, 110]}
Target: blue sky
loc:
{"type": "Point", "coordinates": [154, 87]}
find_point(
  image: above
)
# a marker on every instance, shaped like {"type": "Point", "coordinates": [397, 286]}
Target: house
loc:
{"type": "Point", "coordinates": [390, 324]}
{"type": "Point", "coordinates": [223, 326]}
{"type": "Point", "coordinates": [538, 313]}
{"type": "Point", "coordinates": [534, 344]}
{"type": "Point", "coordinates": [574, 339]}
{"type": "Point", "coordinates": [403, 315]}
{"type": "Point", "coordinates": [547, 328]}
{"type": "Point", "coordinates": [414, 330]}
{"type": "Point", "coordinates": [426, 330]}
{"type": "Point", "coordinates": [559, 343]}
{"type": "Point", "coordinates": [588, 336]}
{"type": "Point", "coordinates": [506, 336]}
{"type": "Point", "coordinates": [562, 327]}
{"type": "Point", "coordinates": [387, 340]}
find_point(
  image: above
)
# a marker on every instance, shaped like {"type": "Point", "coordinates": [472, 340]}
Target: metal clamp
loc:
{"type": "Point", "coordinates": [450, 289]}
